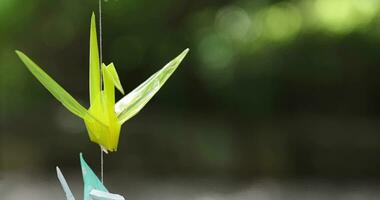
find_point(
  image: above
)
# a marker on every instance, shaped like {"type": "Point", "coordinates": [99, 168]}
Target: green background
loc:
{"type": "Point", "coordinates": [270, 89]}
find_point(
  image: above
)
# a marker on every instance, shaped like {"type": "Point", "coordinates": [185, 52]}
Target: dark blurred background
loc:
{"type": "Point", "coordinates": [276, 100]}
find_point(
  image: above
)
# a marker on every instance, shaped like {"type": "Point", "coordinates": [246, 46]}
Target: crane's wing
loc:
{"type": "Point", "coordinates": [55, 89]}
{"type": "Point", "coordinates": [65, 186]}
{"type": "Point", "coordinates": [100, 195]}
{"type": "Point", "coordinates": [132, 103]}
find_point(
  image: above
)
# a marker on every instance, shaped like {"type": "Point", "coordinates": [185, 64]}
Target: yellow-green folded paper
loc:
{"type": "Point", "coordinates": [104, 117]}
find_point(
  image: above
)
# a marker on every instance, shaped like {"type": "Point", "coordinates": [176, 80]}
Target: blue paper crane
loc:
{"type": "Point", "coordinates": [93, 187]}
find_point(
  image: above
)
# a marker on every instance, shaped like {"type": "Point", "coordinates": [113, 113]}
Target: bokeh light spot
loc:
{"type": "Point", "coordinates": [282, 22]}
{"type": "Point", "coordinates": [343, 16]}
{"type": "Point", "coordinates": [233, 22]}
{"type": "Point", "coordinates": [215, 52]}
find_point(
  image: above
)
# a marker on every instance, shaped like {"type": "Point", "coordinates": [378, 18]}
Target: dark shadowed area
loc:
{"type": "Point", "coordinates": [276, 100]}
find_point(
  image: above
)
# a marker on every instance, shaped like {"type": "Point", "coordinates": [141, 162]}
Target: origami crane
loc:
{"type": "Point", "coordinates": [93, 188]}
{"type": "Point", "coordinates": [104, 117]}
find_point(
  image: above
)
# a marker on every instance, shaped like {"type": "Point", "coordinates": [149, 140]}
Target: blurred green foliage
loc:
{"type": "Point", "coordinates": [271, 88]}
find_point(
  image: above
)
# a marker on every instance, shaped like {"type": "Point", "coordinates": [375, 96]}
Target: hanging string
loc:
{"type": "Point", "coordinates": [101, 164]}
{"type": "Point", "coordinates": [101, 62]}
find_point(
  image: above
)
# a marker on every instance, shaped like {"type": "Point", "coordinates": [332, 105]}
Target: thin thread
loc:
{"type": "Point", "coordinates": [101, 164]}
{"type": "Point", "coordinates": [101, 62]}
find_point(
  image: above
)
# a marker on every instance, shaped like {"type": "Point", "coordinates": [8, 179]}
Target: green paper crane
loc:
{"type": "Point", "coordinates": [104, 117]}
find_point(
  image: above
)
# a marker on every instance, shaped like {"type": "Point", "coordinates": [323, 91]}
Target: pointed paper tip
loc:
{"type": "Point", "coordinates": [83, 164]}
{"type": "Point", "coordinates": [59, 172]}
{"type": "Point", "coordinates": [184, 53]}
{"type": "Point", "coordinates": [93, 19]}
{"type": "Point", "coordinates": [111, 64]}
{"type": "Point", "coordinates": [81, 157]}
{"type": "Point", "coordinates": [21, 55]}
{"type": "Point", "coordinates": [181, 56]}
{"type": "Point", "coordinates": [18, 52]}
{"type": "Point", "coordinates": [121, 90]}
